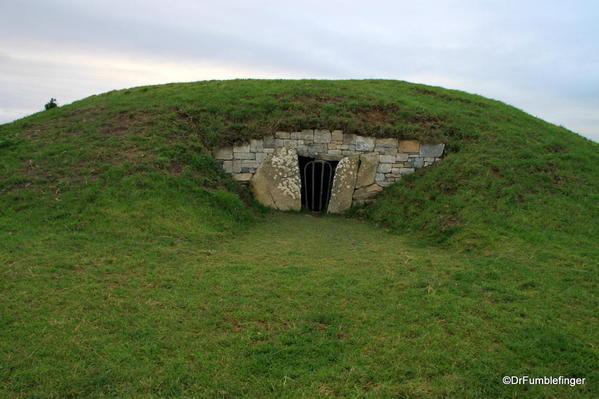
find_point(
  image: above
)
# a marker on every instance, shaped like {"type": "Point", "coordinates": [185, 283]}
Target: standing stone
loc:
{"type": "Point", "coordinates": [367, 170]}
{"type": "Point", "coordinates": [343, 185]}
{"type": "Point", "coordinates": [277, 183]}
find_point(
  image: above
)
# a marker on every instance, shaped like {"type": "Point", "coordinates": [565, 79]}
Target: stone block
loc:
{"type": "Point", "coordinates": [431, 150]}
{"type": "Point", "coordinates": [386, 143]}
{"type": "Point", "coordinates": [241, 148]}
{"type": "Point", "coordinates": [269, 150]}
{"type": "Point", "coordinates": [349, 139]}
{"type": "Point", "coordinates": [387, 159]}
{"type": "Point", "coordinates": [409, 146]}
{"type": "Point", "coordinates": [337, 135]}
{"type": "Point", "coordinates": [282, 135]}
{"type": "Point", "coordinates": [379, 177]}
{"type": "Point", "coordinates": [406, 171]}
{"type": "Point", "coordinates": [260, 156]}
{"type": "Point", "coordinates": [290, 143]}
{"type": "Point", "coordinates": [228, 166]}
{"type": "Point", "coordinates": [256, 146]}
{"type": "Point", "coordinates": [384, 168]}
{"type": "Point", "coordinates": [386, 150]}
{"type": "Point", "coordinates": [364, 143]}
{"type": "Point", "coordinates": [322, 136]}
{"type": "Point", "coordinates": [244, 177]}
{"type": "Point", "coordinates": [401, 157]}
{"type": "Point", "coordinates": [417, 162]}
{"type": "Point", "coordinates": [317, 149]}
{"type": "Point", "coordinates": [330, 157]}
{"type": "Point", "coordinates": [268, 142]}
{"type": "Point", "coordinates": [236, 167]}
{"type": "Point", "coordinates": [249, 163]}
{"type": "Point", "coordinates": [307, 134]}
{"type": "Point", "coordinates": [296, 135]}
{"type": "Point", "coordinates": [244, 155]}
{"type": "Point", "coordinates": [364, 194]}
{"type": "Point", "coordinates": [224, 153]}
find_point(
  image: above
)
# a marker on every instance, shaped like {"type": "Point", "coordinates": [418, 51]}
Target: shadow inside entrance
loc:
{"type": "Point", "coordinates": [317, 181]}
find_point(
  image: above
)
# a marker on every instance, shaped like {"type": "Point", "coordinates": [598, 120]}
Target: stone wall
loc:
{"type": "Point", "coordinates": [371, 163]}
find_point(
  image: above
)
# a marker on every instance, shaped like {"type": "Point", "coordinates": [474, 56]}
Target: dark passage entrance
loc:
{"type": "Point", "coordinates": [317, 181]}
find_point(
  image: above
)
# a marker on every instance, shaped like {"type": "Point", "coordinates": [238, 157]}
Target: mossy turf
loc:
{"type": "Point", "coordinates": [132, 266]}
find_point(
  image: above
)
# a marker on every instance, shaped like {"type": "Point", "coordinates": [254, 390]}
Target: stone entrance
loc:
{"type": "Point", "coordinates": [365, 165]}
{"type": "Point", "coordinates": [317, 181]}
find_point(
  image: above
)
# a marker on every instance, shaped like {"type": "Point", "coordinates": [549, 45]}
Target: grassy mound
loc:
{"type": "Point", "coordinates": [111, 208]}
{"type": "Point", "coordinates": [506, 173]}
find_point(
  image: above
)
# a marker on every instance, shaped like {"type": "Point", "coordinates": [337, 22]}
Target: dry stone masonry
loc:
{"type": "Point", "coordinates": [366, 165]}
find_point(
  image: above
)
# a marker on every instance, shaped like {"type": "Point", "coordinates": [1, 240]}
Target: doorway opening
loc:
{"type": "Point", "coordinates": [317, 182]}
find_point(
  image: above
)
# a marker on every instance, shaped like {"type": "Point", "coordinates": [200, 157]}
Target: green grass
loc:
{"type": "Point", "coordinates": [131, 266]}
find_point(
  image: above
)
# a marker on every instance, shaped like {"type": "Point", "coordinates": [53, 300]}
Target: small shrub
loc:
{"type": "Point", "coordinates": [51, 104]}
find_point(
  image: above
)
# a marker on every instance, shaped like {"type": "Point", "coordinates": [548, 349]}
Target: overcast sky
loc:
{"type": "Point", "coordinates": [541, 56]}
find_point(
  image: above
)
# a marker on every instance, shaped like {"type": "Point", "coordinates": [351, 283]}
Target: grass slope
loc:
{"type": "Point", "coordinates": [293, 309]}
{"type": "Point", "coordinates": [113, 202]}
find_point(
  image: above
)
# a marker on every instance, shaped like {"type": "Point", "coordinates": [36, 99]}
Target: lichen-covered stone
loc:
{"type": "Point", "coordinates": [343, 185]}
{"type": "Point", "coordinates": [276, 183]}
